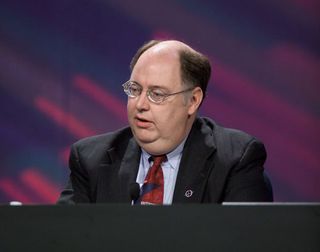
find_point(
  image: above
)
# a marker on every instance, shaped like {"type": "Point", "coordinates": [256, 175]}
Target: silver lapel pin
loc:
{"type": "Point", "coordinates": [188, 193]}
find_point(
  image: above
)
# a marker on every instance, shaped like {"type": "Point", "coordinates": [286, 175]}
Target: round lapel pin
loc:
{"type": "Point", "coordinates": [188, 193]}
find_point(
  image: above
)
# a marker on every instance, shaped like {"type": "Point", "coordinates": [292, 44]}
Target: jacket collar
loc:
{"type": "Point", "coordinates": [117, 172]}
{"type": "Point", "coordinates": [129, 167]}
{"type": "Point", "coordinates": [196, 164]}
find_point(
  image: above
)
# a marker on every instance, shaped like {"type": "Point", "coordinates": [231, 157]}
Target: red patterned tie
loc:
{"type": "Point", "coordinates": [152, 189]}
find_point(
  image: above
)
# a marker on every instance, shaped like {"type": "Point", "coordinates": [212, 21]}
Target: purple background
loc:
{"type": "Point", "coordinates": [62, 64]}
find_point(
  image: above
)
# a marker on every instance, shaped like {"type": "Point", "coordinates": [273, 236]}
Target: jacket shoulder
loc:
{"type": "Point", "coordinates": [223, 133]}
{"type": "Point", "coordinates": [230, 143]}
{"type": "Point", "coordinates": [102, 142]}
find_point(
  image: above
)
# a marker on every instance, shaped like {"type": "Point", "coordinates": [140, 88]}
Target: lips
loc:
{"type": "Point", "coordinates": [142, 122]}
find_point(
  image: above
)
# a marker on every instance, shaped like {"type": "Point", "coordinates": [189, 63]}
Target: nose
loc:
{"type": "Point", "coordinates": [142, 102]}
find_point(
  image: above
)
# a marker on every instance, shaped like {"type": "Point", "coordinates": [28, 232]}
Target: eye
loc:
{"type": "Point", "coordinates": [134, 89]}
{"type": "Point", "coordinates": [157, 94]}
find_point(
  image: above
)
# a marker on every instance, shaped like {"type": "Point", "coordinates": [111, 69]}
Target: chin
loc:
{"type": "Point", "coordinates": [143, 137]}
{"type": "Point", "coordinates": [152, 147]}
{"type": "Point", "coordinates": [144, 141]}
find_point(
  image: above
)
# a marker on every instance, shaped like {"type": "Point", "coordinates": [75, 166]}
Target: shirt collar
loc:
{"type": "Point", "coordinates": [172, 157]}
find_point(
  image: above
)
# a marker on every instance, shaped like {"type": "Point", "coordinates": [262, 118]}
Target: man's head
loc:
{"type": "Point", "coordinates": [161, 68]}
{"type": "Point", "coordinates": [195, 67]}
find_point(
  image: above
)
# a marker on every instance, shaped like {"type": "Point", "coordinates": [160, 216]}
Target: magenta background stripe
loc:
{"type": "Point", "coordinates": [62, 118]}
{"type": "Point", "coordinates": [11, 190]}
{"type": "Point", "coordinates": [40, 185]}
{"type": "Point", "coordinates": [101, 96]}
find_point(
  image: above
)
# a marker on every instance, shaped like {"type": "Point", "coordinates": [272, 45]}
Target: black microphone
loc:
{"type": "Point", "coordinates": [134, 191]}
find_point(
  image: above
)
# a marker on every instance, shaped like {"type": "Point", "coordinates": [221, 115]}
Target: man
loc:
{"type": "Point", "coordinates": [201, 162]}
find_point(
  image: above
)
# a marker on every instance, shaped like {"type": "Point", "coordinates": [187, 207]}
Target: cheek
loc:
{"type": "Point", "coordinates": [170, 121]}
{"type": "Point", "coordinates": [130, 107]}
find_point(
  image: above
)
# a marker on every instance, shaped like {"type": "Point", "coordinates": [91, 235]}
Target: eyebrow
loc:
{"type": "Point", "coordinates": [152, 86]}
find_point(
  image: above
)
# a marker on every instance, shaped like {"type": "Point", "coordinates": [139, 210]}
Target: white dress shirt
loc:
{"type": "Point", "coordinates": [170, 169]}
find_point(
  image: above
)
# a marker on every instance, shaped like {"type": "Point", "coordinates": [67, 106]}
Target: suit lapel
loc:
{"type": "Point", "coordinates": [116, 173]}
{"type": "Point", "coordinates": [196, 165]}
{"type": "Point", "coordinates": [129, 167]}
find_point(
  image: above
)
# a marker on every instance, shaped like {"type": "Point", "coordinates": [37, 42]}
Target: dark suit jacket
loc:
{"type": "Point", "coordinates": [217, 164]}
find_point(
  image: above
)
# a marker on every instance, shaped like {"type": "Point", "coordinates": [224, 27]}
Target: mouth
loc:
{"type": "Point", "coordinates": [142, 119]}
{"type": "Point", "coordinates": [142, 122]}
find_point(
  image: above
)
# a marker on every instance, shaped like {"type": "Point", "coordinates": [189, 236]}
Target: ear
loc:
{"type": "Point", "coordinates": [195, 100]}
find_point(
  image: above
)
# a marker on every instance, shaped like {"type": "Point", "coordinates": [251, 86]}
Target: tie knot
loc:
{"type": "Point", "coordinates": [157, 160]}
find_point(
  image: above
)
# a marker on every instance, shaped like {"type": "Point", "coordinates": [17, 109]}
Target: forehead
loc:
{"type": "Point", "coordinates": [158, 67]}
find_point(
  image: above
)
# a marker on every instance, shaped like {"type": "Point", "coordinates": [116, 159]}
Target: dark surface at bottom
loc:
{"type": "Point", "coordinates": [167, 228]}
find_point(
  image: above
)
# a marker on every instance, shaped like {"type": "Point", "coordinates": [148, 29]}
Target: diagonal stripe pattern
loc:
{"type": "Point", "coordinates": [153, 186]}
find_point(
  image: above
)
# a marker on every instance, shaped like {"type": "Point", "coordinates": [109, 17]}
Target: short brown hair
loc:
{"type": "Point", "coordinates": [195, 67]}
